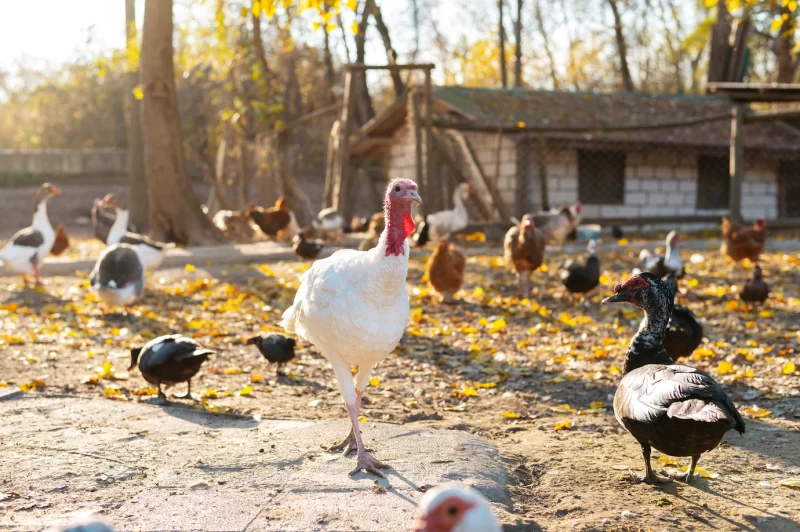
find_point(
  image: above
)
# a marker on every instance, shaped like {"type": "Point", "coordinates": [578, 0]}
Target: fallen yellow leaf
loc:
{"type": "Point", "coordinates": [110, 390]}
{"type": "Point", "coordinates": [478, 292]}
{"type": "Point", "coordinates": [614, 370]}
{"type": "Point", "coordinates": [788, 368]}
{"type": "Point", "coordinates": [596, 405]}
{"type": "Point", "coordinates": [731, 305]}
{"type": "Point", "coordinates": [765, 314]}
{"type": "Point", "coordinates": [510, 415]}
{"type": "Point", "coordinates": [563, 425]}
{"type": "Point", "coordinates": [245, 391]}
{"type": "Point", "coordinates": [622, 242]}
{"type": "Point", "coordinates": [189, 268]}
{"type": "Point", "coordinates": [468, 392]}
{"type": "Point", "coordinates": [256, 378]}
{"type": "Point", "coordinates": [233, 371]}
{"type": "Point", "coordinates": [362, 419]}
{"type": "Point", "coordinates": [756, 412]}
{"type": "Point", "coordinates": [374, 381]}
{"type": "Point", "coordinates": [725, 367]}
{"type": "Point", "coordinates": [211, 393]}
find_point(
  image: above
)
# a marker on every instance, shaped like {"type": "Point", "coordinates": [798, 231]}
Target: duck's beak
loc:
{"type": "Point", "coordinates": [616, 298]}
{"type": "Point", "coordinates": [56, 191]}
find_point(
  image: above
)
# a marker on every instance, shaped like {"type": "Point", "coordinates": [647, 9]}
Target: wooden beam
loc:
{"type": "Point", "coordinates": [403, 66]}
{"type": "Point", "coordinates": [322, 111]}
{"type": "Point", "coordinates": [342, 168]}
{"type": "Point", "coordinates": [492, 127]}
{"type": "Point", "coordinates": [443, 150]}
{"type": "Point", "coordinates": [756, 92]}
{"type": "Point", "coordinates": [479, 182]}
{"type": "Point", "coordinates": [431, 191]}
{"type": "Point", "coordinates": [736, 170]}
{"type": "Point", "coordinates": [762, 116]}
{"type": "Point", "coordinates": [416, 137]}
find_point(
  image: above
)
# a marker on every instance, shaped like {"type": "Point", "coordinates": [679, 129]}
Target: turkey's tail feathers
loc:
{"type": "Point", "coordinates": [289, 319]}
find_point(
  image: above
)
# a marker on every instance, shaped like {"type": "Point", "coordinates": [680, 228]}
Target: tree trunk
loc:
{"type": "Point", "coordinates": [261, 55]}
{"type": "Point", "coordinates": [786, 64]}
{"type": "Point", "coordinates": [136, 177]}
{"type": "Point", "coordinates": [548, 52]}
{"type": "Point", "coordinates": [175, 212]}
{"type": "Point", "coordinates": [502, 36]}
{"type": "Point", "coordinates": [627, 81]}
{"type": "Point", "coordinates": [391, 54]}
{"type": "Point", "coordinates": [518, 46]}
{"type": "Point", "coordinates": [720, 49]}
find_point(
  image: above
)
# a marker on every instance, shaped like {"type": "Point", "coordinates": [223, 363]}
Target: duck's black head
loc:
{"type": "Point", "coordinates": [757, 274]}
{"type": "Point", "coordinates": [134, 358]}
{"type": "Point", "coordinates": [646, 291]}
{"type": "Point", "coordinates": [255, 340]}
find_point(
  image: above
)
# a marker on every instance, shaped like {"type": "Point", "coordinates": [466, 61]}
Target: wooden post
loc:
{"type": "Point", "coordinates": [341, 175]}
{"type": "Point", "coordinates": [736, 170]}
{"type": "Point", "coordinates": [416, 136]}
{"type": "Point", "coordinates": [432, 197]}
{"type": "Point", "coordinates": [498, 146]}
{"type": "Point", "coordinates": [541, 160]}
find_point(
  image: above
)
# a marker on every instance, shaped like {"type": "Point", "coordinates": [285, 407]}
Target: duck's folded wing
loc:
{"type": "Point", "coordinates": [175, 348]}
{"type": "Point", "coordinates": [682, 392]}
{"type": "Point", "coordinates": [28, 237]}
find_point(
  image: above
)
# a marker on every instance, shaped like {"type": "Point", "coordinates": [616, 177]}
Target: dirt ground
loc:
{"type": "Point", "coordinates": [535, 376]}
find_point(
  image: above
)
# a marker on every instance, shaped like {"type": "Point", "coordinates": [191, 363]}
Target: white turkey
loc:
{"type": "Point", "coordinates": [353, 306]}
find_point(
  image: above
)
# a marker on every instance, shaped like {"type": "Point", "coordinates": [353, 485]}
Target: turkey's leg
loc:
{"type": "Point", "coordinates": [649, 475]}
{"type": "Point", "coordinates": [348, 445]}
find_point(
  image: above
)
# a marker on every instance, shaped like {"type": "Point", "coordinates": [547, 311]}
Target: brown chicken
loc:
{"type": "Point", "coordinates": [61, 243]}
{"type": "Point", "coordinates": [740, 243]}
{"type": "Point", "coordinates": [236, 225]}
{"type": "Point", "coordinates": [271, 220]}
{"type": "Point", "coordinates": [524, 247]}
{"type": "Point", "coordinates": [446, 270]}
{"type": "Point", "coordinates": [376, 225]}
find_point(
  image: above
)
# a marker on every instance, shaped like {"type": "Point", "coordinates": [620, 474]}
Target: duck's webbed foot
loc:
{"type": "Point", "coordinates": [649, 475]}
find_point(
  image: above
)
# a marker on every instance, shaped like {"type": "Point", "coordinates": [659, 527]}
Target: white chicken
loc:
{"type": "Point", "coordinates": [563, 221]}
{"type": "Point", "coordinates": [353, 306]}
{"type": "Point", "coordinates": [329, 224]}
{"type": "Point", "coordinates": [443, 223]}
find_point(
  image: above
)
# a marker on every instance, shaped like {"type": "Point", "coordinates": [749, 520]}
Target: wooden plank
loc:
{"type": "Point", "coordinates": [480, 183]}
{"type": "Point", "coordinates": [736, 170]}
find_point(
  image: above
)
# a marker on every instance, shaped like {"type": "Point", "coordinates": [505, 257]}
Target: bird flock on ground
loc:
{"type": "Point", "coordinates": [353, 307]}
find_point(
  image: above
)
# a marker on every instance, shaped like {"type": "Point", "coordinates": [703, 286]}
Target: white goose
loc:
{"type": "Point", "coordinates": [28, 247]}
{"type": "Point", "coordinates": [151, 252]}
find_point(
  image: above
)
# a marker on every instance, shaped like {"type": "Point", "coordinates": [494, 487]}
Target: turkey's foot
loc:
{"type": "Point", "coordinates": [347, 446]}
{"type": "Point", "coordinates": [369, 464]}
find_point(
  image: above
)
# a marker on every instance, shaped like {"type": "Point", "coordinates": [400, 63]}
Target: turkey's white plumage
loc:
{"type": "Point", "coordinates": [353, 306]}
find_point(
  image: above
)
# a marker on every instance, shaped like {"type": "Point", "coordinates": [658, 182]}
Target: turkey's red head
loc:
{"type": "Point", "coordinates": [761, 223]}
{"type": "Point", "coordinates": [401, 194]}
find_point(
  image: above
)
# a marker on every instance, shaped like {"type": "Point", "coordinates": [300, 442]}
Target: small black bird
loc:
{"type": "Point", "coordinates": [169, 360]}
{"type": "Point", "coordinates": [755, 290]}
{"type": "Point", "coordinates": [306, 249]}
{"type": "Point", "coordinates": [276, 348]}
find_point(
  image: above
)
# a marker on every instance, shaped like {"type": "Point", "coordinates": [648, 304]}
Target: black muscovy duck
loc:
{"type": "Point", "coordinates": [662, 265]}
{"type": "Point", "coordinates": [581, 278]}
{"type": "Point", "coordinates": [422, 235]}
{"type": "Point", "coordinates": [685, 332]}
{"type": "Point", "coordinates": [169, 360]}
{"type": "Point", "coordinates": [679, 410]}
{"type": "Point", "coordinates": [306, 249]}
{"type": "Point", "coordinates": [755, 290]}
{"type": "Point", "coordinates": [276, 348]}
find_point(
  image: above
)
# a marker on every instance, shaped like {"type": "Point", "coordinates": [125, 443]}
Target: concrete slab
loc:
{"type": "Point", "coordinates": [145, 467]}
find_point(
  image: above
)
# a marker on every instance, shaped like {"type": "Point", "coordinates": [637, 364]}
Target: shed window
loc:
{"type": "Point", "coordinates": [713, 182]}
{"type": "Point", "coordinates": [601, 177]}
{"type": "Point", "coordinates": [789, 189]}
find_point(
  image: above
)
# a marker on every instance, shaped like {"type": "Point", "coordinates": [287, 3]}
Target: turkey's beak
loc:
{"type": "Point", "coordinates": [413, 195]}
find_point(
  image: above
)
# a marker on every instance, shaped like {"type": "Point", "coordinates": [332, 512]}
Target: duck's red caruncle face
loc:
{"type": "Point", "coordinates": [627, 291]}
